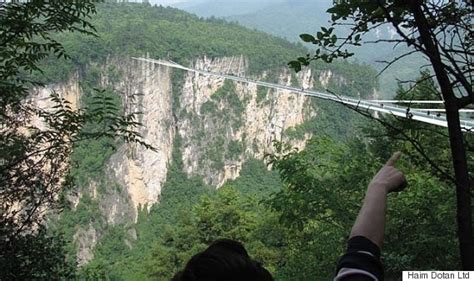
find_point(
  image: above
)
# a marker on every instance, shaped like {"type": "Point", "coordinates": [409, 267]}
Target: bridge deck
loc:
{"type": "Point", "coordinates": [383, 106]}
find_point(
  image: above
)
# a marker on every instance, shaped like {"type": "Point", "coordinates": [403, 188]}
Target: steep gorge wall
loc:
{"type": "Point", "coordinates": [146, 88]}
{"type": "Point", "coordinates": [242, 123]}
{"type": "Point", "coordinates": [220, 123]}
{"type": "Point", "coordinates": [133, 175]}
{"type": "Point", "coordinates": [227, 122]}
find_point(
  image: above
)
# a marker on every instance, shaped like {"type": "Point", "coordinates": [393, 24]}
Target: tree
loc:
{"type": "Point", "coordinates": [34, 156]}
{"type": "Point", "coordinates": [441, 31]}
{"type": "Point", "coordinates": [324, 186]}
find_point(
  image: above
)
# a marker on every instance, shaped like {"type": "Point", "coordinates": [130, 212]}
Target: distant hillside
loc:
{"type": "Point", "coordinates": [287, 19]}
{"type": "Point", "coordinates": [165, 32]}
{"type": "Point", "coordinates": [207, 132]}
{"type": "Point", "coordinates": [291, 18]}
{"type": "Point", "coordinates": [135, 29]}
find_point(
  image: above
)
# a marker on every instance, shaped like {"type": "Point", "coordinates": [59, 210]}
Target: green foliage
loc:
{"type": "Point", "coordinates": [227, 215]}
{"type": "Point", "coordinates": [428, 144]}
{"type": "Point", "coordinates": [87, 161]}
{"type": "Point", "coordinates": [34, 158]}
{"type": "Point", "coordinates": [299, 232]}
{"type": "Point", "coordinates": [215, 153]}
{"type": "Point", "coordinates": [82, 217]}
{"type": "Point", "coordinates": [421, 231]}
{"type": "Point", "coordinates": [294, 81]}
{"type": "Point", "coordinates": [326, 181]}
{"type": "Point", "coordinates": [224, 110]}
{"type": "Point", "coordinates": [110, 249]}
{"type": "Point", "coordinates": [23, 47]}
{"type": "Point", "coordinates": [132, 30]}
{"type": "Point", "coordinates": [324, 187]}
{"type": "Point", "coordinates": [177, 82]}
{"type": "Point", "coordinates": [179, 190]}
{"type": "Point", "coordinates": [189, 216]}
{"type": "Point", "coordinates": [209, 107]}
{"type": "Point", "coordinates": [38, 256]}
{"type": "Point", "coordinates": [256, 180]}
{"type": "Point", "coordinates": [233, 106]}
{"type": "Point", "coordinates": [90, 154]}
{"type": "Point", "coordinates": [234, 150]}
{"type": "Point", "coordinates": [148, 256]}
{"type": "Point", "coordinates": [333, 120]}
{"type": "Point", "coordinates": [316, 185]}
{"type": "Point", "coordinates": [261, 94]}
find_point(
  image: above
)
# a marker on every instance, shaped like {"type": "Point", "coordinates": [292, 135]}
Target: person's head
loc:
{"type": "Point", "coordinates": [223, 260]}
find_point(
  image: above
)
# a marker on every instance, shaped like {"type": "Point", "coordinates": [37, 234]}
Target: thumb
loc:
{"type": "Point", "coordinates": [393, 159]}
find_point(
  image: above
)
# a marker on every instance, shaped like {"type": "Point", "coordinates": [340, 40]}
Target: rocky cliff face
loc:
{"type": "Point", "coordinates": [219, 123]}
{"type": "Point", "coordinates": [146, 88]}
{"type": "Point", "coordinates": [40, 96]}
{"type": "Point", "coordinates": [228, 122]}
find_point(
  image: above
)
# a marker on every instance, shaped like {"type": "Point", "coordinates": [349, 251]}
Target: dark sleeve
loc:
{"type": "Point", "coordinates": [361, 261]}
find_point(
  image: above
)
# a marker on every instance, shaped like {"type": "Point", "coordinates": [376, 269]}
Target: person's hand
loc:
{"type": "Point", "coordinates": [389, 177]}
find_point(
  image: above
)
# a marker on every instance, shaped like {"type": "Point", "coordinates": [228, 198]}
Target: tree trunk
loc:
{"type": "Point", "coordinates": [458, 151]}
{"type": "Point", "coordinates": [463, 194]}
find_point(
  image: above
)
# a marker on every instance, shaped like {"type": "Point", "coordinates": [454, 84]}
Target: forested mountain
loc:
{"type": "Point", "coordinates": [208, 132]}
{"type": "Point", "coordinates": [134, 213]}
{"type": "Point", "coordinates": [289, 19]}
{"type": "Point", "coordinates": [294, 18]}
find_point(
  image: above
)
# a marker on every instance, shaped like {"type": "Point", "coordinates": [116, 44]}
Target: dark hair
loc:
{"type": "Point", "coordinates": [223, 260]}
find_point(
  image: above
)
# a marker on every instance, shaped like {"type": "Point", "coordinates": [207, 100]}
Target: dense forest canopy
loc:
{"type": "Point", "coordinates": [165, 32]}
{"type": "Point", "coordinates": [441, 33]}
{"type": "Point", "coordinates": [293, 216]}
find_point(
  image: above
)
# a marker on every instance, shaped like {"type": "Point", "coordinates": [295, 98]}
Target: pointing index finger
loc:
{"type": "Point", "coordinates": [394, 159]}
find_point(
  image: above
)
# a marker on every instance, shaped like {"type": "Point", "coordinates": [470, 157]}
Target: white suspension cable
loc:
{"type": "Point", "coordinates": [410, 101]}
{"type": "Point", "coordinates": [441, 110]}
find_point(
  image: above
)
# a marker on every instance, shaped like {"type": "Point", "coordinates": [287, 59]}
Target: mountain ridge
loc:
{"type": "Point", "coordinates": [204, 128]}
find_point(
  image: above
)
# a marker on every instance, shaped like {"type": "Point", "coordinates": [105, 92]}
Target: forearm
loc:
{"type": "Point", "coordinates": [362, 258]}
{"type": "Point", "coordinates": [370, 222]}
